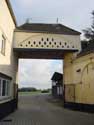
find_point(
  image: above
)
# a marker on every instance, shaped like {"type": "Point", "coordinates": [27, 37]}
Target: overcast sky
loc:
{"type": "Point", "coordinates": [73, 13]}
{"type": "Point", "coordinates": [38, 73]}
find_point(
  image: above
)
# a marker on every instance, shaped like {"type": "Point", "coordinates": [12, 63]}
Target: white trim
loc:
{"type": "Point", "coordinates": [5, 100]}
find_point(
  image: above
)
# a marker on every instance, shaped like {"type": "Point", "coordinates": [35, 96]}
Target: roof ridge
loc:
{"type": "Point", "coordinates": [49, 28]}
{"type": "Point", "coordinates": [42, 23]}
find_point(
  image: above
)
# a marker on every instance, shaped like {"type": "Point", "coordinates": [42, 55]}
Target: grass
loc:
{"type": "Point", "coordinates": [29, 93]}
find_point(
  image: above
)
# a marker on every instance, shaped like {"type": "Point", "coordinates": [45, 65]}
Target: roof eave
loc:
{"type": "Point", "coordinates": [21, 30]}
{"type": "Point", "coordinates": [79, 33]}
{"type": "Point", "coordinates": [11, 11]}
{"type": "Point", "coordinates": [85, 53]}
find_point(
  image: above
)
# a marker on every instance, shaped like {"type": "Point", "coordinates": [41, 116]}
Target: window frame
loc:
{"type": "Point", "coordinates": [7, 88]}
{"type": "Point", "coordinates": [3, 45]}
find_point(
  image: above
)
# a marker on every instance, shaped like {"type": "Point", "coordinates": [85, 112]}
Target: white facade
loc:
{"type": "Point", "coordinates": [7, 59]}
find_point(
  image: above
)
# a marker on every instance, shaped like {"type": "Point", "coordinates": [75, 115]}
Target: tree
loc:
{"type": "Point", "coordinates": [89, 32]}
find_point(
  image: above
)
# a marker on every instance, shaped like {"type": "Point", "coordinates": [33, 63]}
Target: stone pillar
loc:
{"type": "Point", "coordinates": [69, 87]}
{"type": "Point", "coordinates": [68, 68]}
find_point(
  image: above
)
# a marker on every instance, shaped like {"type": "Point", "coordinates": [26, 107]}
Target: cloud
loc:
{"type": "Point", "coordinates": [24, 3]}
{"type": "Point", "coordinates": [38, 73]}
{"type": "Point", "coordinates": [74, 13]}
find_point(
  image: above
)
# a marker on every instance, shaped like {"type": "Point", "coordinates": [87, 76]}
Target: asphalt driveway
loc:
{"type": "Point", "coordinates": [37, 110]}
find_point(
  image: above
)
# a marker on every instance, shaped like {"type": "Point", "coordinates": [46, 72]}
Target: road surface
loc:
{"type": "Point", "coordinates": [37, 110]}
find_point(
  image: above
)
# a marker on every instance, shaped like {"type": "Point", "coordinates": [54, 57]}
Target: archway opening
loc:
{"type": "Point", "coordinates": [35, 77]}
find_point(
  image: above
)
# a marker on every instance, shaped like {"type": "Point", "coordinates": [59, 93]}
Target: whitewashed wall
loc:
{"type": "Point", "coordinates": [43, 40]}
{"type": "Point", "coordinates": [7, 26]}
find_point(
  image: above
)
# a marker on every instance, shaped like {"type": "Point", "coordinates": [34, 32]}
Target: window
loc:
{"type": "Point", "coordinates": [4, 87]}
{"type": "Point", "coordinates": [0, 87]}
{"type": "Point", "coordinates": [53, 83]}
{"type": "Point", "coordinates": [2, 45]}
{"type": "Point", "coordinates": [58, 90]}
{"type": "Point", "coordinates": [7, 87]}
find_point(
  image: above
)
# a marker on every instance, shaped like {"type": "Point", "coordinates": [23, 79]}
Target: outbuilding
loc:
{"type": "Point", "coordinates": [57, 85]}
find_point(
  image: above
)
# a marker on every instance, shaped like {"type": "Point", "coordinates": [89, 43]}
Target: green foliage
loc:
{"type": "Point", "coordinates": [89, 32]}
{"type": "Point", "coordinates": [27, 89]}
{"type": "Point", "coordinates": [45, 91]}
{"type": "Point", "coordinates": [30, 93]}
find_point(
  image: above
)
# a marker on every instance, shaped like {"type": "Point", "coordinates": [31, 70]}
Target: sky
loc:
{"type": "Point", "coordinates": [73, 13]}
{"type": "Point", "coordinates": [38, 73]}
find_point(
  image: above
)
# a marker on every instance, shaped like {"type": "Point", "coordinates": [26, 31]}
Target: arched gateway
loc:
{"type": "Point", "coordinates": [48, 41]}
{"type": "Point", "coordinates": [35, 41]}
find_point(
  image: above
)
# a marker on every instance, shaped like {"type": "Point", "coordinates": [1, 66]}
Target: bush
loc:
{"type": "Point", "coordinates": [27, 90]}
{"type": "Point", "coordinates": [45, 91]}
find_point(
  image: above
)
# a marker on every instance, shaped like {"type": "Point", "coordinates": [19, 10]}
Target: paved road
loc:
{"type": "Point", "coordinates": [37, 110]}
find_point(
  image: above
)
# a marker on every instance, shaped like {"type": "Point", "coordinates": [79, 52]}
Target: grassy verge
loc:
{"type": "Point", "coordinates": [29, 93]}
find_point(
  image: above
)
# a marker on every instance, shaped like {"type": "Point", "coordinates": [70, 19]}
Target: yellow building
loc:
{"type": "Point", "coordinates": [79, 82]}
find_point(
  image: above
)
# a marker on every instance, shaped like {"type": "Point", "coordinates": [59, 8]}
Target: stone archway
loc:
{"type": "Point", "coordinates": [47, 41]}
